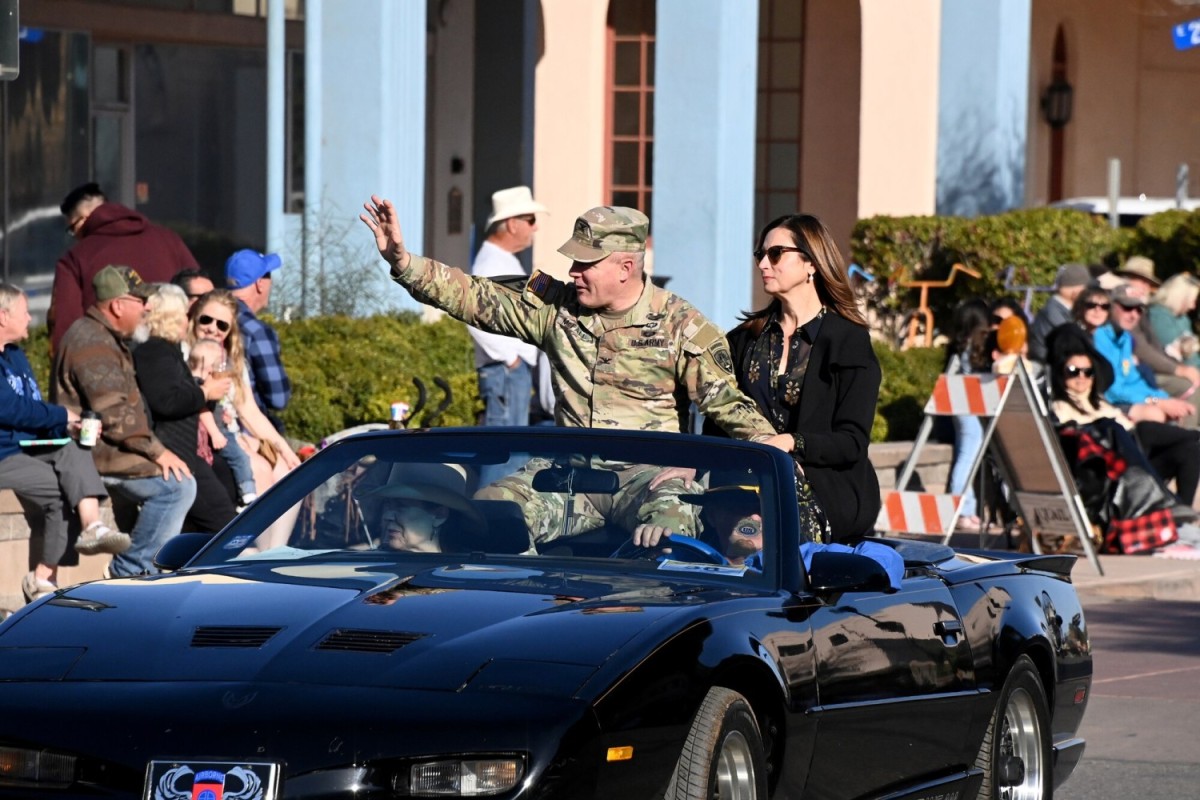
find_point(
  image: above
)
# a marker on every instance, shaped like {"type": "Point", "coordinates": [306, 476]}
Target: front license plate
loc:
{"type": "Point", "coordinates": [211, 780]}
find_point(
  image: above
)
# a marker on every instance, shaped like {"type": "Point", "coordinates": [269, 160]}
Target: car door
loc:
{"type": "Point", "coordinates": [895, 689]}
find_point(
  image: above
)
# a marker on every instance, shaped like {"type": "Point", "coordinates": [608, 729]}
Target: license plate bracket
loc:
{"type": "Point", "coordinates": [183, 779]}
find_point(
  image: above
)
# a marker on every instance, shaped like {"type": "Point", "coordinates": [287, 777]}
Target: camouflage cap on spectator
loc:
{"type": "Point", "coordinates": [114, 281]}
{"type": "Point", "coordinates": [605, 230]}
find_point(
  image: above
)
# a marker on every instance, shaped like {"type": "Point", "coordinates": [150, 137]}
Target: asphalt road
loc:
{"type": "Point", "coordinates": [1141, 725]}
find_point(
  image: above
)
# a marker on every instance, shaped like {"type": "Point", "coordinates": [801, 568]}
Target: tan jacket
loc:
{"type": "Point", "coordinates": [94, 370]}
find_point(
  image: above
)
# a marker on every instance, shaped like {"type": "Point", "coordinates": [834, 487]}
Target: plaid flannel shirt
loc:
{"type": "Point", "coordinates": [268, 378]}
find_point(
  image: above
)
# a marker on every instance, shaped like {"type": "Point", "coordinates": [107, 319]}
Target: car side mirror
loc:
{"type": "Point", "coordinates": [180, 549]}
{"type": "Point", "coordinates": [833, 573]}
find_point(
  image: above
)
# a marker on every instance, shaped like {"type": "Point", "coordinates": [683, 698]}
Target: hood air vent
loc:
{"type": "Point", "coordinates": [352, 641]}
{"type": "Point", "coordinates": [232, 635]}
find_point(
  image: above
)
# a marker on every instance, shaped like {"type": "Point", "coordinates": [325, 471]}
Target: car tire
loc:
{"type": "Point", "coordinates": [723, 756]}
{"type": "Point", "coordinates": [1015, 755]}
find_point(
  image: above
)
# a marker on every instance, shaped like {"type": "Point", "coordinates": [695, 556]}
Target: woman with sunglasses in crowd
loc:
{"type": "Point", "coordinates": [1077, 385]}
{"type": "Point", "coordinates": [806, 361]}
{"type": "Point", "coordinates": [1129, 388]}
{"type": "Point", "coordinates": [214, 316]}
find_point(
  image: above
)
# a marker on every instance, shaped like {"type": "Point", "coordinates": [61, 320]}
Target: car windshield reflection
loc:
{"type": "Point", "coordinates": [688, 505]}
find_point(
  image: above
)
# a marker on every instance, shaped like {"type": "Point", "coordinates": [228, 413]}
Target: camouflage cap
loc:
{"type": "Point", "coordinates": [604, 230]}
{"type": "Point", "coordinates": [114, 281]}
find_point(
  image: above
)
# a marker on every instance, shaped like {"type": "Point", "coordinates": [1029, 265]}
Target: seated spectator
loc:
{"type": "Point", "coordinates": [52, 481]}
{"type": "Point", "coordinates": [1170, 318]}
{"type": "Point", "coordinates": [1130, 390]}
{"type": "Point", "coordinates": [1076, 397]}
{"type": "Point", "coordinates": [215, 316]}
{"type": "Point", "coordinates": [1171, 375]}
{"type": "Point", "coordinates": [151, 487]}
{"type": "Point", "coordinates": [206, 360]}
{"type": "Point", "coordinates": [175, 401]}
{"type": "Point", "coordinates": [1071, 280]}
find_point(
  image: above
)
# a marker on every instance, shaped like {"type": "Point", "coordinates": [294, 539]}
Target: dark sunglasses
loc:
{"type": "Point", "coordinates": [1138, 309]}
{"type": "Point", "coordinates": [997, 319]}
{"type": "Point", "coordinates": [222, 325]}
{"type": "Point", "coordinates": [74, 226]}
{"type": "Point", "coordinates": [1092, 306]}
{"type": "Point", "coordinates": [1074, 371]}
{"type": "Point", "coordinates": [775, 253]}
{"type": "Point", "coordinates": [530, 218]}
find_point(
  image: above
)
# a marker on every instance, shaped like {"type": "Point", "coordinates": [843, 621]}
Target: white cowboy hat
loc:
{"type": "Point", "coordinates": [514, 202]}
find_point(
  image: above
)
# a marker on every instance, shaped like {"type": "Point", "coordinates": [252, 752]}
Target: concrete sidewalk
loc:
{"type": "Point", "coordinates": [1137, 578]}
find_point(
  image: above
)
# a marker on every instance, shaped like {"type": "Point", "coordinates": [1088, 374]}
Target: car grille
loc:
{"type": "Point", "coordinates": [363, 641]}
{"type": "Point", "coordinates": [232, 635]}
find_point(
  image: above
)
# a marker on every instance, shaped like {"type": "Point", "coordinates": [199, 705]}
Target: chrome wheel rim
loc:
{"type": "Point", "coordinates": [735, 769]}
{"type": "Point", "coordinates": [1021, 739]}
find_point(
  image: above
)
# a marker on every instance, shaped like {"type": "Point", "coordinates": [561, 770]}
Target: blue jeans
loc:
{"type": "Point", "coordinates": [968, 438]}
{"type": "Point", "coordinates": [237, 459]}
{"type": "Point", "coordinates": [163, 505]}
{"type": "Point", "coordinates": [506, 395]}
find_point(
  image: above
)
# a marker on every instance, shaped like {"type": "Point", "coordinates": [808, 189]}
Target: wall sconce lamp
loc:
{"type": "Point", "coordinates": [1056, 102]}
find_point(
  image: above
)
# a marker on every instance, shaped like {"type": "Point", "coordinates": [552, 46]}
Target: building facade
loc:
{"type": "Point", "coordinates": [713, 116]}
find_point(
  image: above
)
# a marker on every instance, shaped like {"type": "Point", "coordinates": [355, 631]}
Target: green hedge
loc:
{"type": "Point", "coordinates": [1034, 241]}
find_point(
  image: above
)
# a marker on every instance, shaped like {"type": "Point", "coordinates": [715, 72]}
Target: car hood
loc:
{"type": "Point", "coordinates": [451, 628]}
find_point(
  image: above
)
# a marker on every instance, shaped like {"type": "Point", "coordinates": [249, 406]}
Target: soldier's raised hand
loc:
{"type": "Point", "coordinates": [381, 219]}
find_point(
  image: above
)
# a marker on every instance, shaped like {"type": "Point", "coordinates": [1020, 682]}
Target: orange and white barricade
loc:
{"type": "Point", "coordinates": [1027, 456]}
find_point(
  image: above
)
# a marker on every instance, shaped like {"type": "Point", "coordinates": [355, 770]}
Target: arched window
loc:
{"type": "Point", "coordinates": [629, 134]}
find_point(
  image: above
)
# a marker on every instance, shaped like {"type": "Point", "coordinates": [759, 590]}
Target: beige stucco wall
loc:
{"type": "Point", "coordinates": [1136, 97]}
{"type": "Point", "coordinates": [898, 123]}
{"type": "Point", "coordinates": [568, 162]}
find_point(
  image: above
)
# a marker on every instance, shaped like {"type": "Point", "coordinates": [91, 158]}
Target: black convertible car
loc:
{"type": "Point", "coordinates": [380, 625]}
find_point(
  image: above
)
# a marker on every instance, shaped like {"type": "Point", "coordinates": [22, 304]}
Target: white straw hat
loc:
{"type": "Point", "coordinates": [514, 202]}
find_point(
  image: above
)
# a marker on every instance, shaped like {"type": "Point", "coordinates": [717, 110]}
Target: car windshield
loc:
{"type": "Point", "coordinates": [710, 504]}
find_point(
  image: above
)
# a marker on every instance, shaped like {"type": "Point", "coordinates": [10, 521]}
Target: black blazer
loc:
{"type": "Point", "coordinates": [835, 414]}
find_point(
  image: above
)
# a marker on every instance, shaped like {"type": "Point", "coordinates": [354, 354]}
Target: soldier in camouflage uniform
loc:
{"type": "Point", "coordinates": [624, 353]}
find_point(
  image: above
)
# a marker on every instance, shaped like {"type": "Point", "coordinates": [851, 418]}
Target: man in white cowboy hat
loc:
{"type": "Point", "coordinates": [1172, 375]}
{"type": "Point", "coordinates": [503, 364]}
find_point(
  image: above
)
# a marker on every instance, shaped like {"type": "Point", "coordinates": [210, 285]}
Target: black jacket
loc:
{"type": "Point", "coordinates": [835, 412]}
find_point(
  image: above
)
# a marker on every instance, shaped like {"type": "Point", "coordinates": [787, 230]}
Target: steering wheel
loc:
{"type": "Point", "coordinates": [683, 548]}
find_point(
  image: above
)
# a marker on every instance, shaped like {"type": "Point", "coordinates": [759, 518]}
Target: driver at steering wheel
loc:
{"type": "Point", "coordinates": [730, 517]}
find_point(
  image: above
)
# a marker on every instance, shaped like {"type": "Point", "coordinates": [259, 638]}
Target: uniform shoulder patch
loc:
{"type": "Point", "coordinates": [703, 334]}
{"type": "Point", "coordinates": [721, 355]}
{"type": "Point", "coordinates": [539, 284]}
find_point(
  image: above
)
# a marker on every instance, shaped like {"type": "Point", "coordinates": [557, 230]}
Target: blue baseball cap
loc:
{"type": "Point", "coordinates": [246, 266]}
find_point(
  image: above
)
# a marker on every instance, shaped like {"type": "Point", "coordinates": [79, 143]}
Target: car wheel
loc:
{"type": "Point", "coordinates": [1015, 756]}
{"type": "Point", "coordinates": [723, 756]}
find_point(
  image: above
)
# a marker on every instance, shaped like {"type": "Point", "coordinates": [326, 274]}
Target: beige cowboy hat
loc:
{"type": "Point", "coordinates": [514, 202]}
{"type": "Point", "coordinates": [440, 484]}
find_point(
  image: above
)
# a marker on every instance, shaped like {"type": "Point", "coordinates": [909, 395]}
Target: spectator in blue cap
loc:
{"type": "Point", "coordinates": [248, 277]}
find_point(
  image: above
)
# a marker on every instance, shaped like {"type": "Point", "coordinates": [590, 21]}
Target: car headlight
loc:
{"type": "Point", "coordinates": [22, 767]}
{"type": "Point", "coordinates": [474, 777]}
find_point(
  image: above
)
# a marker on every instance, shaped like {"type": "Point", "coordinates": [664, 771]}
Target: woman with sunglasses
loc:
{"type": "Point", "coordinates": [806, 361]}
{"type": "Point", "coordinates": [214, 316]}
{"type": "Point", "coordinates": [1076, 391]}
{"type": "Point", "coordinates": [176, 401]}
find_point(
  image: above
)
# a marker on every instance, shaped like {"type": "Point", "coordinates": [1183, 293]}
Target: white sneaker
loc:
{"type": "Point", "coordinates": [247, 499]}
{"type": "Point", "coordinates": [99, 538]}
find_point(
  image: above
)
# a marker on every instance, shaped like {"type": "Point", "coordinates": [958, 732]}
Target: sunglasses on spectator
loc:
{"type": "Point", "coordinates": [530, 218]}
{"type": "Point", "coordinates": [222, 325]}
{"type": "Point", "coordinates": [773, 254]}
{"type": "Point", "coordinates": [1138, 309]}
{"type": "Point", "coordinates": [1073, 371]}
{"type": "Point", "coordinates": [1092, 306]}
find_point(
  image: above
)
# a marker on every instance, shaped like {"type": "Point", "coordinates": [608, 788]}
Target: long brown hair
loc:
{"type": "Point", "coordinates": [817, 245]}
{"type": "Point", "coordinates": [235, 352]}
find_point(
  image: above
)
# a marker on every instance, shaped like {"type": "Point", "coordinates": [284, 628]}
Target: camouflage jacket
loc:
{"type": "Point", "coordinates": [94, 370]}
{"type": "Point", "coordinates": [637, 371]}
